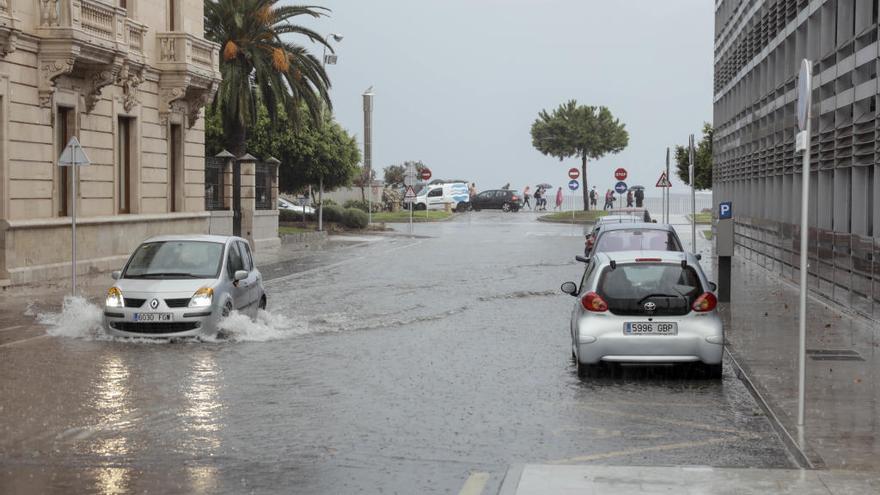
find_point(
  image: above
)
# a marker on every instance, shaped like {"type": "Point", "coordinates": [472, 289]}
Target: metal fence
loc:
{"type": "Point", "coordinates": [214, 183]}
{"type": "Point", "coordinates": [263, 186]}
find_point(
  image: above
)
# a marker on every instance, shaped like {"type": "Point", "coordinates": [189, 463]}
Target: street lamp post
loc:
{"type": "Point", "coordinates": [324, 61]}
{"type": "Point", "coordinates": [368, 149]}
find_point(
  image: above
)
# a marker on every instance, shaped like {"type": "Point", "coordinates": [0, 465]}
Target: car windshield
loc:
{"type": "Point", "coordinates": [175, 259]}
{"type": "Point", "coordinates": [637, 240]}
{"type": "Point", "coordinates": [629, 285]}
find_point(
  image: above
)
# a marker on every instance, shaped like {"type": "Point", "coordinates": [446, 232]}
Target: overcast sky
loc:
{"type": "Point", "coordinates": [458, 83]}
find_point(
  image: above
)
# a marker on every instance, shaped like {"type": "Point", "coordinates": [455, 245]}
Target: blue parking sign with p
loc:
{"type": "Point", "coordinates": [725, 210]}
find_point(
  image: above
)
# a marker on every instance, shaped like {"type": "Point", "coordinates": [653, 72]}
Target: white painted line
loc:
{"type": "Point", "coordinates": [475, 484]}
{"type": "Point", "coordinates": [10, 328]}
{"type": "Point", "coordinates": [24, 341]}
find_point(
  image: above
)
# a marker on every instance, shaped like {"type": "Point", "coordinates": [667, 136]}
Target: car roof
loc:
{"type": "Point", "coordinates": [637, 226]}
{"type": "Point", "coordinates": [220, 239]}
{"type": "Point", "coordinates": [632, 256]}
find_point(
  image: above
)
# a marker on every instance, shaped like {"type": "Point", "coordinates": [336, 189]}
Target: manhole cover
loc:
{"type": "Point", "coordinates": [834, 355]}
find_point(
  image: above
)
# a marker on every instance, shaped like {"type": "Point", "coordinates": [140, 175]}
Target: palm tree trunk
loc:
{"type": "Point", "coordinates": [237, 141]}
{"type": "Point", "coordinates": [586, 191]}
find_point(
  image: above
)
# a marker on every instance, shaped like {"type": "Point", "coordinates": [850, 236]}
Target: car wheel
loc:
{"type": "Point", "coordinates": [262, 303]}
{"type": "Point", "coordinates": [588, 370]}
{"type": "Point", "coordinates": [713, 371]}
{"type": "Point", "coordinates": [505, 207]}
{"type": "Point", "coordinates": [476, 208]}
{"type": "Point", "coordinates": [421, 206]}
{"type": "Point", "coordinates": [227, 309]}
{"type": "Point", "coordinates": [461, 207]}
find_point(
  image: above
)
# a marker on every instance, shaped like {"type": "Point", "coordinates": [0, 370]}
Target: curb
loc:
{"type": "Point", "coordinates": [804, 457]}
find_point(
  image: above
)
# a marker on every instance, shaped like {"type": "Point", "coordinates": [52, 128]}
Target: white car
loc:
{"type": "Point", "coordinates": [435, 197]}
{"type": "Point", "coordinates": [182, 286]}
{"type": "Point", "coordinates": [284, 204]}
{"type": "Point", "coordinates": [645, 307]}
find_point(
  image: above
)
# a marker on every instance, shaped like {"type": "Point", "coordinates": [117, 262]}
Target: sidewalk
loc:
{"type": "Point", "coordinates": [540, 479]}
{"type": "Point", "coordinates": [842, 429]}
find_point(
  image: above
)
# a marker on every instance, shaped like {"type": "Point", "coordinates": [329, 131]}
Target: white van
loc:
{"type": "Point", "coordinates": [434, 197]}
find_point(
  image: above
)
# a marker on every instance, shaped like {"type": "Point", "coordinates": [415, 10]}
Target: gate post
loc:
{"type": "Point", "coordinates": [247, 195]}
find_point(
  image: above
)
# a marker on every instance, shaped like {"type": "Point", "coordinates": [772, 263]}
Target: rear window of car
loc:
{"type": "Point", "coordinates": [629, 285]}
{"type": "Point", "coordinates": [637, 240]}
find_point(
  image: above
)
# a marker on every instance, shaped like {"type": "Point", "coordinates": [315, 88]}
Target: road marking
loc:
{"type": "Point", "coordinates": [642, 450]}
{"type": "Point", "coordinates": [650, 418]}
{"type": "Point", "coordinates": [10, 328]}
{"type": "Point", "coordinates": [475, 484]}
{"type": "Point", "coordinates": [24, 340]}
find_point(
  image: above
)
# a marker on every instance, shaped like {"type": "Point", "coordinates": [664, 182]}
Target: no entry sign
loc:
{"type": "Point", "coordinates": [620, 174]}
{"type": "Point", "coordinates": [573, 173]}
{"type": "Point", "coordinates": [426, 174]}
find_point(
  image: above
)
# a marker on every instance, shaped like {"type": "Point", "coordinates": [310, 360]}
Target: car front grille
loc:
{"type": "Point", "coordinates": [131, 302]}
{"type": "Point", "coordinates": [155, 328]}
{"type": "Point", "coordinates": [177, 303]}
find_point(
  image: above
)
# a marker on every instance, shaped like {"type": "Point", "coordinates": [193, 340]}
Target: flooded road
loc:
{"type": "Point", "coordinates": [395, 366]}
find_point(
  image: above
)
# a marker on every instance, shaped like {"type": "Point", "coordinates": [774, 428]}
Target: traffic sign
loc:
{"type": "Point", "coordinates": [73, 154]}
{"type": "Point", "coordinates": [620, 187]}
{"type": "Point", "coordinates": [725, 210]}
{"type": "Point", "coordinates": [426, 174]}
{"type": "Point", "coordinates": [573, 173]}
{"type": "Point", "coordinates": [410, 195]}
{"type": "Point", "coordinates": [663, 181]}
{"type": "Point", "coordinates": [620, 174]}
{"type": "Point", "coordinates": [573, 184]}
{"type": "Point", "coordinates": [805, 87]}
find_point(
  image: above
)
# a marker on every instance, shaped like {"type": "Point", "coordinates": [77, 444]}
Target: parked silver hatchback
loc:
{"type": "Point", "coordinates": [645, 307]}
{"type": "Point", "coordinates": [182, 286]}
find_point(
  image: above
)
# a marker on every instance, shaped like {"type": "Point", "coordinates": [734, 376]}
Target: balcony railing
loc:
{"type": "Point", "coordinates": [179, 50]}
{"type": "Point", "coordinates": [136, 34]}
{"type": "Point", "coordinates": [99, 22]}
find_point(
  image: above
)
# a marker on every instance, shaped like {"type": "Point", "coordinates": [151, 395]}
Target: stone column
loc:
{"type": "Point", "coordinates": [248, 165]}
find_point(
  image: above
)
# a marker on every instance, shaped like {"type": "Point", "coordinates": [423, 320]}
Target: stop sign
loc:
{"type": "Point", "coordinates": [620, 174]}
{"type": "Point", "coordinates": [426, 173]}
{"type": "Point", "coordinates": [573, 173]}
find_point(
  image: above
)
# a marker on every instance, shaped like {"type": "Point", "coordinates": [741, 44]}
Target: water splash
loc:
{"type": "Point", "coordinates": [78, 319]}
{"type": "Point", "coordinates": [238, 327]}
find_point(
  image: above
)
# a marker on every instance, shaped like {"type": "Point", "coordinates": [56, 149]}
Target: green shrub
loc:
{"type": "Point", "coordinates": [333, 213]}
{"type": "Point", "coordinates": [329, 201]}
{"type": "Point", "coordinates": [354, 218]}
{"type": "Point", "coordinates": [362, 205]}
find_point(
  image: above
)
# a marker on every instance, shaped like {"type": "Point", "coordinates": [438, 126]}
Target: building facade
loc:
{"type": "Point", "coordinates": [129, 79]}
{"type": "Point", "coordinates": [759, 47]}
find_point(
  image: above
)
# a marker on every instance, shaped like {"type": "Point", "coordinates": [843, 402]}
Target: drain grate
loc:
{"type": "Point", "coordinates": [834, 355]}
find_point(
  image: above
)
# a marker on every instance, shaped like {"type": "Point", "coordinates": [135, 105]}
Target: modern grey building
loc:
{"type": "Point", "coordinates": [759, 46]}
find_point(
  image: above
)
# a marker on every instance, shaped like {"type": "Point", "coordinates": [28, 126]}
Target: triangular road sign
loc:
{"type": "Point", "coordinates": [663, 181]}
{"type": "Point", "coordinates": [410, 195]}
{"type": "Point", "coordinates": [73, 154]}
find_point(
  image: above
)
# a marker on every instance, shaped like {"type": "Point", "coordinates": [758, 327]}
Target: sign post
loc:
{"type": "Point", "coordinates": [693, 194]}
{"type": "Point", "coordinates": [573, 185]}
{"type": "Point", "coordinates": [666, 198]}
{"type": "Point", "coordinates": [73, 156]}
{"type": "Point", "coordinates": [425, 175]}
{"type": "Point", "coordinates": [410, 198]}
{"type": "Point", "coordinates": [805, 86]}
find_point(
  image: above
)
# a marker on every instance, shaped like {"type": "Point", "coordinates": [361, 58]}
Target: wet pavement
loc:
{"type": "Point", "coordinates": [397, 365]}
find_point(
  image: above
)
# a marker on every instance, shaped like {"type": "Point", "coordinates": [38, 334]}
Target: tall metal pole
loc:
{"type": "Point", "coordinates": [73, 224]}
{"type": "Point", "coordinates": [804, 108]}
{"type": "Point", "coordinates": [338, 38]}
{"type": "Point", "coordinates": [666, 190]}
{"type": "Point", "coordinates": [368, 148]}
{"type": "Point", "coordinates": [320, 204]}
{"type": "Point", "coordinates": [693, 193]}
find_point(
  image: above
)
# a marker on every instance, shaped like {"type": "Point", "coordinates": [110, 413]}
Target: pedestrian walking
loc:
{"type": "Point", "coordinates": [629, 199]}
{"type": "Point", "coordinates": [640, 198]}
{"type": "Point", "coordinates": [559, 199]}
{"type": "Point", "coordinates": [538, 197]}
{"type": "Point", "coordinates": [526, 196]}
{"type": "Point", "coordinates": [609, 200]}
{"type": "Point", "coordinates": [594, 198]}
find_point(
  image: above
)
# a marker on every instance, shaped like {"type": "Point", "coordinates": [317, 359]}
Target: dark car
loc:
{"type": "Point", "coordinates": [498, 199]}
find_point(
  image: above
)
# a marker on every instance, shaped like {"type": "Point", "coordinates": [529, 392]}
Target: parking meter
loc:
{"type": "Point", "coordinates": [724, 242]}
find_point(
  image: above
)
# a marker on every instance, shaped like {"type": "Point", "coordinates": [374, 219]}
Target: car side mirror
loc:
{"type": "Point", "coordinates": [569, 288]}
{"type": "Point", "coordinates": [115, 274]}
{"type": "Point", "coordinates": [713, 286]}
{"type": "Point", "coordinates": [240, 275]}
{"type": "Point", "coordinates": [582, 259]}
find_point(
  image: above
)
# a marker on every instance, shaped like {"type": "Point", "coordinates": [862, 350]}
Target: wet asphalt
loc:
{"type": "Point", "coordinates": [399, 365]}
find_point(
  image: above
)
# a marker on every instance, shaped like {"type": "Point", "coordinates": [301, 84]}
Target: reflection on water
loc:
{"type": "Point", "coordinates": [113, 480]}
{"type": "Point", "coordinates": [113, 407]}
{"type": "Point", "coordinates": [202, 411]}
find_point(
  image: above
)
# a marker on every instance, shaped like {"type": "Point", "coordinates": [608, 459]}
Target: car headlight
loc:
{"type": "Point", "coordinates": [114, 298]}
{"type": "Point", "coordinates": [202, 298]}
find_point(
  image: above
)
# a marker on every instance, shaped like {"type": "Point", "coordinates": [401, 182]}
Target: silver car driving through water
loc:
{"type": "Point", "coordinates": [181, 286]}
{"type": "Point", "coordinates": [645, 307]}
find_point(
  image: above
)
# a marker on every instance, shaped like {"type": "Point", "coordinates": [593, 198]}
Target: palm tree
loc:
{"type": "Point", "coordinates": [260, 68]}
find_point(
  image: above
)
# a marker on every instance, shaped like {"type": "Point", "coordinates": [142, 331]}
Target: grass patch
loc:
{"type": "Point", "coordinates": [707, 234]}
{"type": "Point", "coordinates": [403, 216]}
{"type": "Point", "coordinates": [580, 216]}
{"type": "Point", "coordinates": [705, 218]}
{"type": "Point", "coordinates": [293, 230]}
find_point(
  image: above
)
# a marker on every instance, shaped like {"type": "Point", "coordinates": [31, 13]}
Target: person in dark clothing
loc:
{"type": "Point", "coordinates": [629, 199]}
{"type": "Point", "coordinates": [640, 197]}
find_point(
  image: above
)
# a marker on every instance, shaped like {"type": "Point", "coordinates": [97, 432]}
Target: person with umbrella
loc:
{"type": "Point", "coordinates": [542, 202]}
{"type": "Point", "coordinates": [640, 196]}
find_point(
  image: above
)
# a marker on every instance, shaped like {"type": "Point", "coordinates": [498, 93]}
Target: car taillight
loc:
{"type": "Point", "coordinates": [594, 302]}
{"type": "Point", "coordinates": [514, 198]}
{"type": "Point", "coordinates": [705, 302]}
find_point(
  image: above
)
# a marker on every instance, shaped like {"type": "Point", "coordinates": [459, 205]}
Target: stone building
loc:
{"type": "Point", "coordinates": [129, 79]}
{"type": "Point", "coordinates": [759, 46]}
